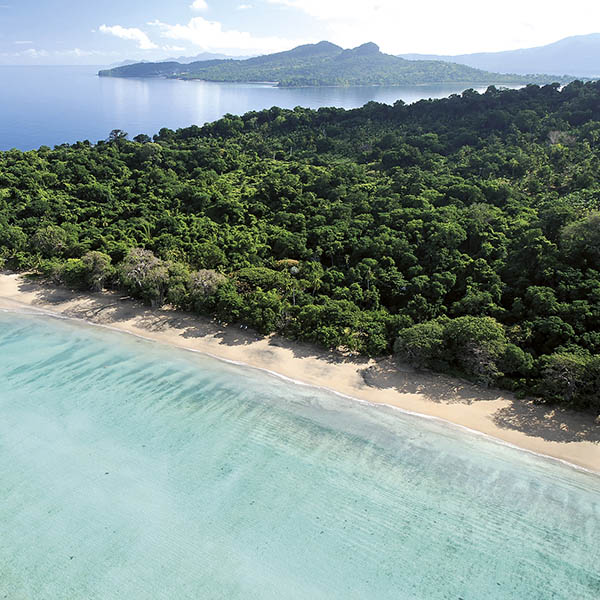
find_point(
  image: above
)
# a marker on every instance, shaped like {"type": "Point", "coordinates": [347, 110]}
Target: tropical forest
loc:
{"type": "Point", "coordinates": [460, 235]}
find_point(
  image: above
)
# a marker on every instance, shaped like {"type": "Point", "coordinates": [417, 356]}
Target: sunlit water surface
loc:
{"type": "Point", "coordinates": [56, 105]}
{"type": "Point", "coordinates": [132, 470]}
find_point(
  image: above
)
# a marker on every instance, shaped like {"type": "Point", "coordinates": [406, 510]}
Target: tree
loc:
{"type": "Point", "coordinates": [203, 288]}
{"type": "Point", "coordinates": [98, 269]}
{"type": "Point", "coordinates": [51, 241]}
{"type": "Point", "coordinates": [581, 240]}
{"type": "Point", "coordinates": [145, 276]}
{"type": "Point", "coordinates": [477, 344]}
{"type": "Point", "coordinates": [422, 345]}
{"type": "Point", "coordinates": [178, 285]}
{"type": "Point", "coordinates": [564, 376]}
{"type": "Point", "coordinates": [117, 136]}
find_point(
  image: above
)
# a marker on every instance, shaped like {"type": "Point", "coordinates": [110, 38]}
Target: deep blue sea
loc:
{"type": "Point", "coordinates": [56, 105]}
{"type": "Point", "coordinates": [132, 470]}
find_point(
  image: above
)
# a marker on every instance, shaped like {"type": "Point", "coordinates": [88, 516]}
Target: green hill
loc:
{"type": "Point", "coordinates": [325, 64]}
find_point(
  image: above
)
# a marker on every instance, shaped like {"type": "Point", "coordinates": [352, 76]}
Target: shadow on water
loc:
{"type": "Point", "coordinates": [539, 420]}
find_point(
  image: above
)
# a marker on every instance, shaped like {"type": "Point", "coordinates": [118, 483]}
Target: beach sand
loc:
{"type": "Point", "coordinates": [561, 434]}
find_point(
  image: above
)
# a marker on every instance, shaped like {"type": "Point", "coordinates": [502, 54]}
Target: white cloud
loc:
{"type": "Point", "coordinates": [244, 6]}
{"type": "Point", "coordinates": [210, 35]}
{"type": "Point", "coordinates": [130, 33]}
{"type": "Point", "coordinates": [23, 42]}
{"type": "Point", "coordinates": [41, 56]}
{"type": "Point", "coordinates": [199, 5]}
{"type": "Point", "coordinates": [33, 53]}
{"type": "Point", "coordinates": [440, 26]}
{"type": "Point", "coordinates": [74, 52]}
{"type": "Point", "coordinates": [79, 53]}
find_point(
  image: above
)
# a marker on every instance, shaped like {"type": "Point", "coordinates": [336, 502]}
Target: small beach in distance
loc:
{"type": "Point", "coordinates": [542, 429]}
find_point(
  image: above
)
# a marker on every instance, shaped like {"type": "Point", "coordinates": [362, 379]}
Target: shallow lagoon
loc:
{"type": "Point", "coordinates": [133, 470]}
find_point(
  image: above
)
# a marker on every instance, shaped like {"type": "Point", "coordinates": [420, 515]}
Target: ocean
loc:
{"type": "Point", "coordinates": [134, 470]}
{"type": "Point", "coordinates": [56, 105]}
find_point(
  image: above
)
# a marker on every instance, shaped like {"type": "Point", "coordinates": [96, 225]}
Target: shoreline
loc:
{"type": "Point", "coordinates": [275, 84]}
{"type": "Point", "coordinates": [547, 431]}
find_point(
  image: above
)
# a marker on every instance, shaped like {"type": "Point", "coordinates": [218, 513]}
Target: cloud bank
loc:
{"type": "Point", "coordinates": [130, 33]}
{"type": "Point", "coordinates": [440, 26]}
{"type": "Point", "coordinates": [211, 35]}
{"type": "Point", "coordinates": [199, 5]}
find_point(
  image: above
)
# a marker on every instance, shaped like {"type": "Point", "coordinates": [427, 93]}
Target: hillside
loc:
{"type": "Point", "coordinates": [462, 234]}
{"type": "Point", "coordinates": [577, 55]}
{"type": "Point", "coordinates": [326, 64]}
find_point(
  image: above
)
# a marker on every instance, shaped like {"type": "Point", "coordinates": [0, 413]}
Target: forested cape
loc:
{"type": "Point", "coordinates": [461, 234]}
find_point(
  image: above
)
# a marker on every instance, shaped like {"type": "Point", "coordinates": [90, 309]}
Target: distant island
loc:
{"type": "Point", "coordinates": [577, 55]}
{"type": "Point", "coordinates": [326, 64]}
{"type": "Point", "coordinates": [202, 56]}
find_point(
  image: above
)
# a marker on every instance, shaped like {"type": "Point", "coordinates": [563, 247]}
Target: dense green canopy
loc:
{"type": "Point", "coordinates": [464, 232]}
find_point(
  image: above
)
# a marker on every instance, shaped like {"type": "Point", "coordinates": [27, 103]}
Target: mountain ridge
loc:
{"type": "Point", "coordinates": [575, 55]}
{"type": "Point", "coordinates": [327, 64]}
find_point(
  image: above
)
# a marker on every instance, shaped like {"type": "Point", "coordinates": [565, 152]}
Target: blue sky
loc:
{"type": "Point", "coordinates": [91, 32]}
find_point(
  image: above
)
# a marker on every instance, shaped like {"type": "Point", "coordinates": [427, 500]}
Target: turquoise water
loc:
{"type": "Point", "coordinates": [132, 470]}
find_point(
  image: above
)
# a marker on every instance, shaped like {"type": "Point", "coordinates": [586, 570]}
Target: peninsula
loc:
{"type": "Point", "coordinates": [326, 64]}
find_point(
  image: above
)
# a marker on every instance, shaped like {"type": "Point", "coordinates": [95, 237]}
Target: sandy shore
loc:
{"type": "Point", "coordinates": [565, 435]}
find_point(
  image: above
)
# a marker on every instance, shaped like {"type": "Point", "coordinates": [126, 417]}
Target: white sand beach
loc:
{"type": "Point", "coordinates": [561, 434]}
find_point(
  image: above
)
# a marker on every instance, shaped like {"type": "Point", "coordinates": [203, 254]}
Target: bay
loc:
{"type": "Point", "coordinates": [134, 470]}
{"type": "Point", "coordinates": [56, 105]}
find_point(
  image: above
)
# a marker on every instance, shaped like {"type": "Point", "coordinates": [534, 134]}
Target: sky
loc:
{"type": "Point", "coordinates": [106, 32]}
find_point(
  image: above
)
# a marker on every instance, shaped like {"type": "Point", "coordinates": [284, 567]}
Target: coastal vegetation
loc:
{"type": "Point", "coordinates": [461, 234]}
{"type": "Point", "coordinates": [325, 64]}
